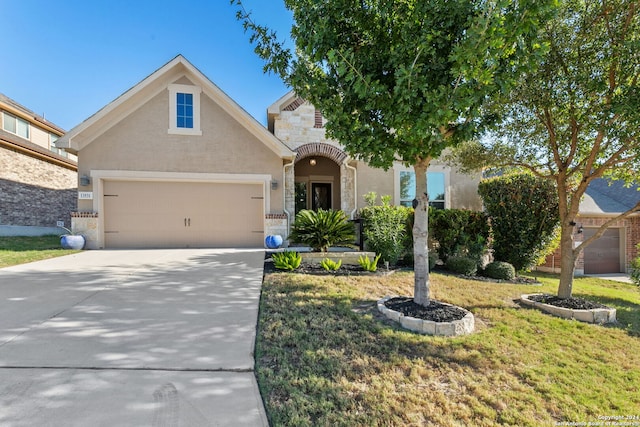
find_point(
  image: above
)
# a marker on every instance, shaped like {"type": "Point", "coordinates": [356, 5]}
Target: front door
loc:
{"type": "Point", "coordinates": [320, 196]}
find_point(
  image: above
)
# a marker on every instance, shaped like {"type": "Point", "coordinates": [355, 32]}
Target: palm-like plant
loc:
{"type": "Point", "coordinates": [322, 229]}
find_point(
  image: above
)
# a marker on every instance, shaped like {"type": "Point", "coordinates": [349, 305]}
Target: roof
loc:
{"type": "Point", "coordinates": [27, 114]}
{"type": "Point", "coordinates": [21, 145]}
{"type": "Point", "coordinates": [604, 196]}
{"type": "Point", "coordinates": [87, 131]}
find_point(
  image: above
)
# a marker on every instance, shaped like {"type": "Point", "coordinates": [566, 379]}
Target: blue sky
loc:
{"type": "Point", "coordinates": [66, 59]}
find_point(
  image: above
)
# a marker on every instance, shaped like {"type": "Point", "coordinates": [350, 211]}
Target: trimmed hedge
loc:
{"type": "Point", "coordinates": [462, 265]}
{"type": "Point", "coordinates": [500, 270]}
{"type": "Point", "coordinates": [524, 215]}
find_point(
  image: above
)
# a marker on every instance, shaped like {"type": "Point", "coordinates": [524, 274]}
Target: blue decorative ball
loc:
{"type": "Point", "coordinates": [273, 241]}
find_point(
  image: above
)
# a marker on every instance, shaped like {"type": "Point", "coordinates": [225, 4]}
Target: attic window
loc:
{"type": "Point", "coordinates": [184, 110]}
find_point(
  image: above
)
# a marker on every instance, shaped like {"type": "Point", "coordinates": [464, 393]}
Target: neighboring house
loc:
{"type": "Point", "coordinates": [37, 179]}
{"type": "Point", "coordinates": [175, 162]}
{"type": "Point", "coordinates": [614, 250]}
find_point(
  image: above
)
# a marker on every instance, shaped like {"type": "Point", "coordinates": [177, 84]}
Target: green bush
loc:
{"type": "Point", "coordinates": [459, 232]}
{"type": "Point", "coordinates": [287, 260]}
{"type": "Point", "coordinates": [385, 231]}
{"type": "Point", "coordinates": [462, 265]}
{"type": "Point", "coordinates": [331, 265]}
{"type": "Point", "coordinates": [322, 229]}
{"type": "Point", "coordinates": [524, 214]}
{"type": "Point", "coordinates": [500, 270]}
{"type": "Point", "coordinates": [368, 264]}
{"type": "Point", "coordinates": [433, 259]}
{"type": "Point", "coordinates": [635, 268]}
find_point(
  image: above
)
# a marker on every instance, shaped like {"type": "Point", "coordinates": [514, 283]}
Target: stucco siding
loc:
{"type": "Point", "coordinates": [141, 142]}
{"type": "Point", "coordinates": [373, 179]}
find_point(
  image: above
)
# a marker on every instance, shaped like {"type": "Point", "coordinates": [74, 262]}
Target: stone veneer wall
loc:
{"type": "Point", "coordinates": [34, 192]}
{"type": "Point", "coordinates": [86, 223]}
{"type": "Point", "coordinates": [299, 126]}
{"type": "Point", "coordinates": [277, 224]}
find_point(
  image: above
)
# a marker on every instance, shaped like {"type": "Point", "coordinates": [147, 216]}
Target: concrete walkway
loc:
{"type": "Point", "coordinates": [131, 338]}
{"type": "Point", "coordinates": [616, 277]}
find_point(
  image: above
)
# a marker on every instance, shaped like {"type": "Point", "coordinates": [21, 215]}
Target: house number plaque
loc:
{"type": "Point", "coordinates": [85, 195]}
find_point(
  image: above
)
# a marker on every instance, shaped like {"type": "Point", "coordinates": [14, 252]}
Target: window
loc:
{"type": "Point", "coordinates": [184, 109]}
{"type": "Point", "coordinates": [435, 188]}
{"type": "Point", "coordinates": [16, 125]}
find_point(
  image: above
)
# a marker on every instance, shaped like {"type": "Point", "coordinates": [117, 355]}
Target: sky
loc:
{"type": "Point", "coordinates": [66, 59]}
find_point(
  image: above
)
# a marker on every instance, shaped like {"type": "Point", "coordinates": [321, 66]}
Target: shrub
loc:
{"type": "Point", "coordinates": [459, 232]}
{"type": "Point", "coordinates": [385, 230]}
{"type": "Point", "coordinates": [462, 265]}
{"type": "Point", "coordinates": [331, 265]}
{"type": "Point", "coordinates": [500, 270]}
{"type": "Point", "coordinates": [433, 259]}
{"type": "Point", "coordinates": [524, 214]}
{"type": "Point", "coordinates": [635, 268]}
{"type": "Point", "coordinates": [368, 264]}
{"type": "Point", "coordinates": [287, 260]}
{"type": "Point", "coordinates": [322, 229]}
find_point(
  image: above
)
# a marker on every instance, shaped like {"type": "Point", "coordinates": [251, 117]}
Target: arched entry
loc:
{"type": "Point", "coordinates": [318, 171]}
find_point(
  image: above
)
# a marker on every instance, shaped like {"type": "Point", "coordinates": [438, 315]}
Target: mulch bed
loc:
{"type": "Point", "coordinates": [571, 303]}
{"type": "Point", "coordinates": [435, 311]}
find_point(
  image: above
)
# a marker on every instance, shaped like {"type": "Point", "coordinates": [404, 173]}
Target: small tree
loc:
{"type": "Point", "coordinates": [576, 117]}
{"type": "Point", "coordinates": [403, 80]}
{"type": "Point", "coordinates": [524, 214]}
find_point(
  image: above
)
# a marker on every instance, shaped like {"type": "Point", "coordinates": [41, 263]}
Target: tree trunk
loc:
{"type": "Point", "coordinates": [567, 262]}
{"type": "Point", "coordinates": [420, 236]}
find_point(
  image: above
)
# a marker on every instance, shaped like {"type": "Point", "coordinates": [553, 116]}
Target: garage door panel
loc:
{"type": "Point", "coordinates": [170, 214]}
{"type": "Point", "coordinates": [603, 255]}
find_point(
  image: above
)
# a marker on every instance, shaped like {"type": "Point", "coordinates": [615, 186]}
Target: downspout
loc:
{"type": "Point", "coordinates": [355, 189]}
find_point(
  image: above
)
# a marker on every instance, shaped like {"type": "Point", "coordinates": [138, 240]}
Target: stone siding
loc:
{"type": "Point", "coordinates": [86, 223]}
{"type": "Point", "coordinates": [34, 192]}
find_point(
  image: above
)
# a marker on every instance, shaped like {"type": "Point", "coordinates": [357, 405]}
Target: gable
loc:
{"type": "Point", "coordinates": [177, 71]}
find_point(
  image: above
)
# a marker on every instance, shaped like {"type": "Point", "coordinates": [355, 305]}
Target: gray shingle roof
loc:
{"type": "Point", "coordinates": [604, 197]}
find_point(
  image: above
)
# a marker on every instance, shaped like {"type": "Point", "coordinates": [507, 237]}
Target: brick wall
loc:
{"type": "Point", "coordinates": [34, 192]}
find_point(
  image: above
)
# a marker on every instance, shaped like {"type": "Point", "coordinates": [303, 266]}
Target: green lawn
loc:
{"type": "Point", "coordinates": [20, 250]}
{"type": "Point", "coordinates": [325, 358]}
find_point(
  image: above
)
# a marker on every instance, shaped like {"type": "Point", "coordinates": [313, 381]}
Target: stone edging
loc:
{"type": "Point", "coordinates": [595, 315]}
{"type": "Point", "coordinates": [463, 326]}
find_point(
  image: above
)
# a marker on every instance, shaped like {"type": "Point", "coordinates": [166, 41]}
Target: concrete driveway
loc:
{"type": "Point", "coordinates": [131, 338]}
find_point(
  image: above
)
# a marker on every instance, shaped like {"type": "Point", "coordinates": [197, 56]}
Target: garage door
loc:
{"type": "Point", "coordinates": [181, 215]}
{"type": "Point", "coordinates": [603, 255]}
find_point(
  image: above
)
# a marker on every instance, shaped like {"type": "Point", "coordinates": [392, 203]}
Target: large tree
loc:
{"type": "Point", "coordinates": [577, 117]}
{"type": "Point", "coordinates": [403, 79]}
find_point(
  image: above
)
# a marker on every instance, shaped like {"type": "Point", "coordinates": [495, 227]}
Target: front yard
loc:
{"type": "Point", "coordinates": [20, 250]}
{"type": "Point", "coordinates": [324, 357]}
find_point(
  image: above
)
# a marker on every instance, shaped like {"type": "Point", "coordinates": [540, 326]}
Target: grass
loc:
{"type": "Point", "coordinates": [20, 250]}
{"type": "Point", "coordinates": [325, 358]}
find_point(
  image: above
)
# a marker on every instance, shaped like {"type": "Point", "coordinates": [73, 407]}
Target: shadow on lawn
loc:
{"type": "Point", "coordinates": [627, 312]}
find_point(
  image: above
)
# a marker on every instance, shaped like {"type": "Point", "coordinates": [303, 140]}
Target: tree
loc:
{"type": "Point", "coordinates": [524, 215]}
{"type": "Point", "coordinates": [402, 80]}
{"type": "Point", "coordinates": [577, 116]}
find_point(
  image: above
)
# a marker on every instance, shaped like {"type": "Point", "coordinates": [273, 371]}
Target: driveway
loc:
{"type": "Point", "coordinates": [131, 338]}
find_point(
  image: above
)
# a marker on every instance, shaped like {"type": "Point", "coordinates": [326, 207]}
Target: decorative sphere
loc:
{"type": "Point", "coordinates": [273, 241]}
{"type": "Point", "coordinates": [72, 241]}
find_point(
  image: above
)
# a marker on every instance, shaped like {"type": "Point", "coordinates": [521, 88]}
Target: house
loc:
{"type": "Point", "coordinates": [175, 162]}
{"type": "Point", "coordinates": [38, 186]}
{"type": "Point", "coordinates": [616, 248]}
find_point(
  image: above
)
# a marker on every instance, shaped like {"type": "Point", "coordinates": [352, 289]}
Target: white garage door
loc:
{"type": "Point", "coordinates": [142, 214]}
